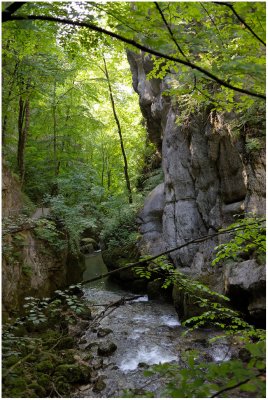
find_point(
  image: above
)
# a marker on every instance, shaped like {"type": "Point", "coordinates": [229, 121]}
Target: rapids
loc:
{"type": "Point", "coordinates": [146, 332]}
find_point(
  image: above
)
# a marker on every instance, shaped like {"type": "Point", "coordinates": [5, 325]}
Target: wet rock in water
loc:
{"type": "Point", "coordinates": [75, 290]}
{"type": "Point", "coordinates": [82, 341]}
{"type": "Point", "coordinates": [84, 325]}
{"type": "Point", "coordinates": [94, 376]}
{"type": "Point", "coordinates": [143, 365]}
{"type": "Point", "coordinates": [97, 363]}
{"type": "Point", "coordinates": [99, 385]}
{"type": "Point", "coordinates": [102, 332]}
{"type": "Point", "coordinates": [91, 345]}
{"type": "Point", "coordinates": [106, 349]}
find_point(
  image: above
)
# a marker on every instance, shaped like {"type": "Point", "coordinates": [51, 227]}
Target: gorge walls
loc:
{"type": "Point", "coordinates": [30, 266]}
{"type": "Point", "coordinates": [207, 180]}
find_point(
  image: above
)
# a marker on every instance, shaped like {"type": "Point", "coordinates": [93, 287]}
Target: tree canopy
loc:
{"type": "Point", "coordinates": [68, 105]}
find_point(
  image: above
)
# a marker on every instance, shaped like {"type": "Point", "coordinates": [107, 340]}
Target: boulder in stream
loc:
{"type": "Point", "coordinates": [102, 332]}
{"type": "Point", "coordinates": [106, 348]}
{"type": "Point", "coordinates": [99, 384]}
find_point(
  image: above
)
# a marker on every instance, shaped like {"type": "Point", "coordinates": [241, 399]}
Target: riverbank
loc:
{"type": "Point", "coordinates": [103, 341]}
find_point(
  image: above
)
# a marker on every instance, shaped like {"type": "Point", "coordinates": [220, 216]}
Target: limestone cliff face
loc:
{"type": "Point", "coordinates": [206, 178]}
{"type": "Point", "coordinates": [30, 267]}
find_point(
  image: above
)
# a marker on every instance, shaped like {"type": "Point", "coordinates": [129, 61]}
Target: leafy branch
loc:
{"type": "Point", "coordinates": [236, 385]}
{"type": "Point", "coordinates": [134, 44]}
{"type": "Point", "coordinates": [240, 19]}
{"type": "Point", "coordinates": [169, 29]}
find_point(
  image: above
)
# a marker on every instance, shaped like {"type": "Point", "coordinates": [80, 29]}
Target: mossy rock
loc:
{"type": "Point", "coordinates": [51, 357]}
{"type": "Point", "coordinates": [62, 386]}
{"type": "Point", "coordinates": [99, 385]}
{"type": "Point", "coordinates": [114, 258]}
{"type": "Point", "coordinates": [106, 349]}
{"type": "Point", "coordinates": [43, 380]}
{"type": "Point", "coordinates": [74, 373]}
{"type": "Point", "coordinates": [66, 343]}
{"type": "Point", "coordinates": [88, 357]}
{"type": "Point", "coordinates": [68, 357]}
{"type": "Point", "coordinates": [11, 360]}
{"type": "Point", "coordinates": [45, 366]}
{"type": "Point", "coordinates": [38, 389]}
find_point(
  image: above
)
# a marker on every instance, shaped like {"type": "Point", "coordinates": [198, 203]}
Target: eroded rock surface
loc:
{"type": "Point", "coordinates": [207, 179]}
{"type": "Point", "coordinates": [30, 266]}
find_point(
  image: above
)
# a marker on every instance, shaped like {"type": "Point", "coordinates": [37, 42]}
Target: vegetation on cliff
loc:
{"type": "Point", "coordinates": [74, 134]}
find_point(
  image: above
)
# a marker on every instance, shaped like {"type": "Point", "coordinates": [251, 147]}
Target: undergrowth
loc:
{"type": "Point", "coordinates": [38, 349]}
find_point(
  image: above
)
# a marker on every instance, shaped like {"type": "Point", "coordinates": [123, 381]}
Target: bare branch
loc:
{"type": "Point", "coordinates": [138, 46]}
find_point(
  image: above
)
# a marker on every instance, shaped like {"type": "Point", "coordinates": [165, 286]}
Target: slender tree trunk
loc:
{"type": "Point", "coordinates": [56, 164]}
{"type": "Point", "coordinates": [119, 133]}
{"type": "Point", "coordinates": [23, 128]}
{"type": "Point", "coordinates": [54, 107]}
{"type": "Point", "coordinates": [7, 101]}
{"type": "Point", "coordinates": [103, 165]}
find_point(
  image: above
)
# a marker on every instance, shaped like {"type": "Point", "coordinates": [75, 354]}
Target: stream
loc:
{"type": "Point", "coordinates": [146, 332]}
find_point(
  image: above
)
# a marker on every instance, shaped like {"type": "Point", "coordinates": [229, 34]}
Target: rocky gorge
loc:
{"type": "Point", "coordinates": [208, 178]}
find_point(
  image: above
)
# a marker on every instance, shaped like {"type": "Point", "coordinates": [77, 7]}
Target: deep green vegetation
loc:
{"type": "Point", "coordinates": [38, 348]}
{"type": "Point", "coordinates": [73, 133]}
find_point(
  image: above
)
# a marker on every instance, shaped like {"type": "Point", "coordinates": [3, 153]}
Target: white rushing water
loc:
{"type": "Point", "coordinates": [148, 355]}
{"type": "Point", "coordinates": [145, 332]}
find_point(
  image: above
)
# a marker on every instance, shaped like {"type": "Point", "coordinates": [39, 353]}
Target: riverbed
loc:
{"type": "Point", "coordinates": [145, 332]}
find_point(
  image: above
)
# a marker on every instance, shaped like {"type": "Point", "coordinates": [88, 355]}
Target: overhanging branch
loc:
{"type": "Point", "coordinates": [240, 19]}
{"type": "Point", "coordinates": [137, 45]}
{"type": "Point", "coordinates": [169, 30]}
{"type": "Point", "coordinates": [194, 241]}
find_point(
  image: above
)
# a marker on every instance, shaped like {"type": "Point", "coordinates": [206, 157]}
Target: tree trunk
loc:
{"type": "Point", "coordinates": [6, 103]}
{"type": "Point", "coordinates": [23, 128]}
{"type": "Point", "coordinates": [119, 133]}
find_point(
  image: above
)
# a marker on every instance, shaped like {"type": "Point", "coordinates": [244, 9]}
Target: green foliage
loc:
{"type": "Point", "coordinates": [217, 312]}
{"type": "Point", "coordinates": [195, 378]}
{"type": "Point", "coordinates": [76, 207]}
{"type": "Point", "coordinates": [46, 230]}
{"type": "Point", "coordinates": [120, 227]}
{"type": "Point", "coordinates": [253, 144]}
{"type": "Point", "coordinates": [27, 269]}
{"type": "Point", "coordinates": [234, 55]}
{"type": "Point", "coordinates": [151, 180]}
{"type": "Point", "coordinates": [249, 238]}
{"type": "Point", "coordinates": [37, 346]}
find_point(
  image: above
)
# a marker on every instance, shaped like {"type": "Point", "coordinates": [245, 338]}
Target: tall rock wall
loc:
{"type": "Point", "coordinates": [207, 179]}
